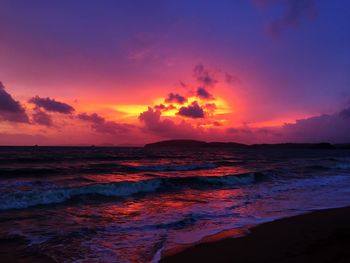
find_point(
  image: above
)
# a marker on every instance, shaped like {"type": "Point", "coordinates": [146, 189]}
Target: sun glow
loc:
{"type": "Point", "coordinates": [131, 110]}
{"type": "Point", "coordinates": [215, 110]}
{"type": "Point", "coordinates": [212, 107]}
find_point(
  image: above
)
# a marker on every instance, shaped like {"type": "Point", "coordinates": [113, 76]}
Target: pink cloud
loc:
{"type": "Point", "coordinates": [166, 128]}
{"type": "Point", "coordinates": [100, 125]}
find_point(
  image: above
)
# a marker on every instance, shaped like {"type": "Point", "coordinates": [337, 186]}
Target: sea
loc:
{"type": "Point", "coordinates": [110, 204]}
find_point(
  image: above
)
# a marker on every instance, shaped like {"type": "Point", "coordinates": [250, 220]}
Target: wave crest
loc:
{"type": "Point", "coordinates": [25, 199]}
{"type": "Point", "coordinates": [173, 167]}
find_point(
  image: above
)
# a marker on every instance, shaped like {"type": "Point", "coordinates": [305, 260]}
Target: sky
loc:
{"type": "Point", "coordinates": [131, 72]}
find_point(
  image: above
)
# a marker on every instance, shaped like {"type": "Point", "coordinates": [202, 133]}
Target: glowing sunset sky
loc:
{"type": "Point", "coordinates": [131, 72]}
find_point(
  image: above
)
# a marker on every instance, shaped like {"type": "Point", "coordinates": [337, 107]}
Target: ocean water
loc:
{"type": "Point", "coordinates": [132, 204]}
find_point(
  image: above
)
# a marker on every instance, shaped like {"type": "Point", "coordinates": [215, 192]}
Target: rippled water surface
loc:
{"type": "Point", "coordinates": [129, 204]}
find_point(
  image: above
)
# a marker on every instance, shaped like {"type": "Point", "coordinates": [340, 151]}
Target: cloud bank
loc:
{"type": "Point", "coordinates": [332, 128]}
{"type": "Point", "coordinates": [324, 128]}
{"type": "Point", "coordinates": [10, 109]}
{"type": "Point", "coordinates": [191, 115]}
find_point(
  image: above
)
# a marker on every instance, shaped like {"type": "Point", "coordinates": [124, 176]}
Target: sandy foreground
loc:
{"type": "Point", "coordinates": [320, 236]}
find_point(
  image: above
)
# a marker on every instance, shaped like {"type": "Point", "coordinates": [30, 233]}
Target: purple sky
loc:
{"type": "Point", "coordinates": [244, 69]}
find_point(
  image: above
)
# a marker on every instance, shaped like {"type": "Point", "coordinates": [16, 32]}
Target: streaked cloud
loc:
{"type": "Point", "coordinates": [52, 105]}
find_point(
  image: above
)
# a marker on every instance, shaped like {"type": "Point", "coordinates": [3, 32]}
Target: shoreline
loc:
{"type": "Point", "coordinates": [15, 250]}
{"type": "Point", "coordinates": [318, 236]}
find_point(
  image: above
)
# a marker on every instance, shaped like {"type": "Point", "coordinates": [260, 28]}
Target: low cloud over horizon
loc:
{"type": "Point", "coordinates": [194, 114]}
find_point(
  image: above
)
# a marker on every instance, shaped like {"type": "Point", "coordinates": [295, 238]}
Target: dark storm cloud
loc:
{"type": "Point", "coordinates": [100, 125]}
{"type": "Point", "coordinates": [175, 98]}
{"type": "Point", "coordinates": [166, 128]}
{"type": "Point", "coordinates": [204, 94]}
{"type": "Point", "coordinates": [42, 118]}
{"type": "Point", "coordinates": [204, 76]}
{"type": "Point", "coordinates": [10, 109]}
{"type": "Point", "coordinates": [193, 111]}
{"type": "Point", "coordinates": [52, 105]}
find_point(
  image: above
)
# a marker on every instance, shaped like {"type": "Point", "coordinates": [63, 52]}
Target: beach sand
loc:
{"type": "Point", "coordinates": [15, 250]}
{"type": "Point", "coordinates": [320, 236]}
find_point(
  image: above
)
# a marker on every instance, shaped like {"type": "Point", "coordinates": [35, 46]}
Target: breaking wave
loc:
{"type": "Point", "coordinates": [25, 199]}
{"type": "Point", "coordinates": [172, 167]}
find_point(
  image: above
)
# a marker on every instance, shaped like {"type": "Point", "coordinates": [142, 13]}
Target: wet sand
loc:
{"type": "Point", "coordinates": [15, 250]}
{"type": "Point", "coordinates": [320, 236]}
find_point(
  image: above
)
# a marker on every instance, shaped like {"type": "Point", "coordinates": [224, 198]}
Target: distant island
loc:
{"type": "Point", "coordinates": [190, 144]}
